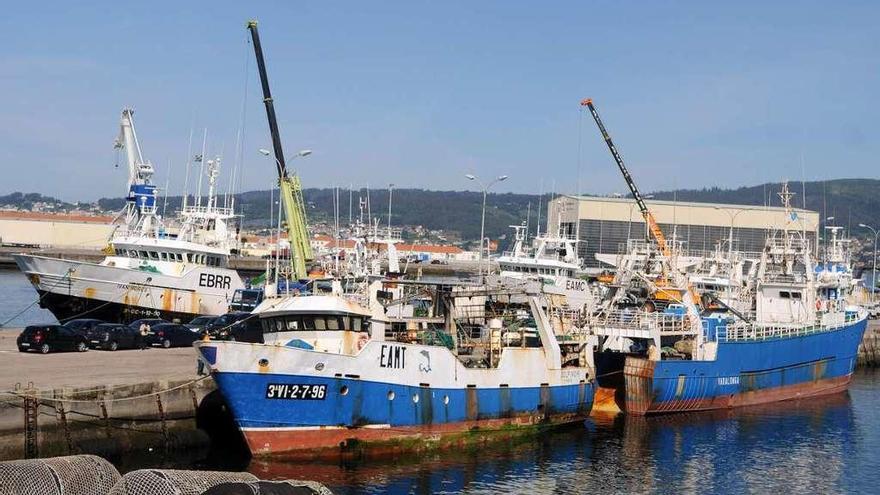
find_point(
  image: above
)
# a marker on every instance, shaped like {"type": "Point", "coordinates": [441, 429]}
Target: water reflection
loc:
{"type": "Point", "coordinates": [796, 446]}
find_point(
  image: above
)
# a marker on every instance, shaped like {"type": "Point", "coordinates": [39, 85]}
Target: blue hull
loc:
{"type": "Point", "coordinates": [373, 403]}
{"type": "Point", "coordinates": [746, 372]}
{"type": "Point", "coordinates": [358, 412]}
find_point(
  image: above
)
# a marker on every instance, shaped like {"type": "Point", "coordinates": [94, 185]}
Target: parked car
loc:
{"type": "Point", "coordinates": [223, 321]}
{"type": "Point", "coordinates": [171, 335]}
{"type": "Point", "coordinates": [237, 326]}
{"type": "Point", "coordinates": [200, 322]}
{"type": "Point", "coordinates": [113, 336]}
{"type": "Point", "coordinates": [83, 325]}
{"type": "Point", "coordinates": [48, 338]}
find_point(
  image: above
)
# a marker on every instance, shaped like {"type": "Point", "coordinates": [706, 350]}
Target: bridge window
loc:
{"type": "Point", "coordinates": [784, 294]}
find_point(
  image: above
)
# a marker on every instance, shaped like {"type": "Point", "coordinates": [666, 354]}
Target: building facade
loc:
{"type": "Point", "coordinates": [604, 225]}
{"type": "Point", "coordinates": [45, 230]}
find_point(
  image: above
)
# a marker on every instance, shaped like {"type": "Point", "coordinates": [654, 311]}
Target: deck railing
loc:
{"type": "Point", "coordinates": [742, 332]}
{"type": "Point", "coordinates": [667, 323]}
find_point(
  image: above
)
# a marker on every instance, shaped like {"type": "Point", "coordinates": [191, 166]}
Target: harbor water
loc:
{"type": "Point", "coordinates": [824, 445]}
{"type": "Point", "coordinates": [18, 302]}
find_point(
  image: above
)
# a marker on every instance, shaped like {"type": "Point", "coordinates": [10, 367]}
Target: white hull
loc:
{"type": "Point", "coordinates": [195, 290]}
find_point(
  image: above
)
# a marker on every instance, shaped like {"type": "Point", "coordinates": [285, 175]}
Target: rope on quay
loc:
{"type": "Point", "coordinates": [41, 398]}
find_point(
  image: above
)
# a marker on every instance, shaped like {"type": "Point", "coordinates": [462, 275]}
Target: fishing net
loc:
{"type": "Point", "coordinates": [71, 475]}
{"type": "Point", "coordinates": [174, 482]}
{"type": "Point", "coordinates": [287, 487]}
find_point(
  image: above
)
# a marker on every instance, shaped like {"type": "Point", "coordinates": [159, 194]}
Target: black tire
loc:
{"type": "Point", "coordinates": [166, 344]}
{"type": "Point", "coordinates": [22, 349]}
{"type": "Point", "coordinates": [81, 347]}
{"type": "Point", "coordinates": [231, 338]}
{"type": "Point", "coordinates": [114, 345]}
{"type": "Point", "coordinates": [44, 349]}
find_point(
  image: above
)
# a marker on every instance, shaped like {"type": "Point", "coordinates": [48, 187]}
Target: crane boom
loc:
{"type": "Point", "coordinates": [653, 226]}
{"type": "Point", "coordinates": [291, 189]}
{"type": "Point", "coordinates": [687, 295]}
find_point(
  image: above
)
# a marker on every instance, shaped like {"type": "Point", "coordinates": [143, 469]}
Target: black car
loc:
{"type": "Point", "coordinates": [222, 324]}
{"type": "Point", "coordinates": [199, 323]}
{"type": "Point", "coordinates": [244, 330]}
{"type": "Point", "coordinates": [171, 335]}
{"type": "Point", "coordinates": [83, 325]}
{"type": "Point", "coordinates": [48, 338]}
{"type": "Point", "coordinates": [113, 336]}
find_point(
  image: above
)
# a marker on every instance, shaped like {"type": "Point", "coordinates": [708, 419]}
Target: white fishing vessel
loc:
{"type": "Point", "coordinates": [551, 260]}
{"type": "Point", "coordinates": [151, 271]}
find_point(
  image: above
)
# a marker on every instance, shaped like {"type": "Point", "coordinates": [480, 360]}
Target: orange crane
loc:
{"type": "Point", "coordinates": [688, 297]}
{"type": "Point", "coordinates": [653, 226]}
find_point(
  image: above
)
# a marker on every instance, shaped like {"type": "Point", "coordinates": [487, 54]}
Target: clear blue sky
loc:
{"type": "Point", "coordinates": [420, 93]}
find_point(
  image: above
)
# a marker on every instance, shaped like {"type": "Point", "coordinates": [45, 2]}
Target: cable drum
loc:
{"type": "Point", "coordinates": [174, 482]}
{"type": "Point", "coordinates": [70, 475]}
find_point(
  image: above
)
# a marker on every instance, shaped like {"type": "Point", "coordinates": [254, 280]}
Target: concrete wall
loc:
{"type": "Point", "coordinates": [107, 420]}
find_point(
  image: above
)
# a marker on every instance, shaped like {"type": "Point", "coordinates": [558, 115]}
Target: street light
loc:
{"type": "Point", "coordinates": [730, 235]}
{"type": "Point", "coordinates": [299, 154]}
{"type": "Point", "coordinates": [874, 268]}
{"type": "Point", "coordinates": [483, 218]}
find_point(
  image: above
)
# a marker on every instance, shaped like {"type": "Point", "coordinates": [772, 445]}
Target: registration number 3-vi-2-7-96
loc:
{"type": "Point", "coordinates": [296, 391]}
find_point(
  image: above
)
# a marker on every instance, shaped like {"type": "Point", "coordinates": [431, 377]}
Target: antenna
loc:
{"type": "Point", "coordinates": [201, 160]}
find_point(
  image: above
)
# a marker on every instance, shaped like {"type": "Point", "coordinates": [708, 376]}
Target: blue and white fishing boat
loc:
{"type": "Point", "coordinates": [799, 338]}
{"type": "Point", "coordinates": [335, 373]}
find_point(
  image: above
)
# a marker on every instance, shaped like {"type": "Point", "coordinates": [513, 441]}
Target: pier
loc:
{"type": "Point", "coordinates": [101, 402]}
{"type": "Point", "coordinates": [869, 350]}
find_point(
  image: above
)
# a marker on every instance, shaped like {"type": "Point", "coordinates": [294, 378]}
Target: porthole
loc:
{"type": "Point", "coordinates": [263, 362]}
{"type": "Point", "coordinates": [445, 399]}
{"type": "Point", "coordinates": [343, 390]}
{"type": "Point", "coordinates": [391, 395]}
{"type": "Point", "coordinates": [416, 398]}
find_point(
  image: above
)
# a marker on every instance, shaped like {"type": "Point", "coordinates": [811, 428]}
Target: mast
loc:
{"type": "Point", "coordinates": [291, 189]}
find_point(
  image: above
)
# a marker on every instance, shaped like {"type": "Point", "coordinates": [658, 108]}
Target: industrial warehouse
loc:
{"type": "Point", "coordinates": [602, 225]}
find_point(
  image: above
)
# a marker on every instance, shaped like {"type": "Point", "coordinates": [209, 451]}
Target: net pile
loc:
{"type": "Point", "coordinates": [174, 482]}
{"type": "Point", "coordinates": [70, 475]}
{"type": "Point", "coordinates": [288, 487]}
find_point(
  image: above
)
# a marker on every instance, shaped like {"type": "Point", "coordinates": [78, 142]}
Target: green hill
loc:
{"type": "Point", "coordinates": [850, 201]}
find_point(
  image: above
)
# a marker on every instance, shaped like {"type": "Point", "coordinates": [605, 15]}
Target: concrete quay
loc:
{"type": "Point", "coordinates": [102, 402]}
{"type": "Point", "coordinates": [869, 349]}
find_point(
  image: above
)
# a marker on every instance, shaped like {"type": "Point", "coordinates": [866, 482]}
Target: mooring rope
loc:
{"type": "Point", "coordinates": [29, 306]}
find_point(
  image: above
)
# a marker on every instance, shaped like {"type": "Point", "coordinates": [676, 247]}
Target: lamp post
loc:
{"type": "Point", "coordinates": [874, 267]}
{"type": "Point", "coordinates": [730, 234]}
{"type": "Point", "coordinates": [483, 218]}
{"type": "Point", "coordinates": [299, 154]}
